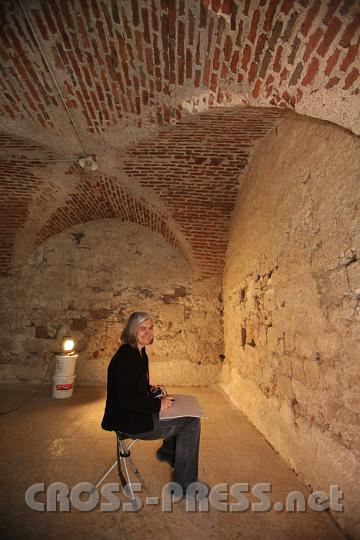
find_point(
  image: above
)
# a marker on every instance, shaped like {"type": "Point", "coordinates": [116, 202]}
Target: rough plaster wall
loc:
{"type": "Point", "coordinates": [85, 282]}
{"type": "Point", "coordinates": [291, 304]}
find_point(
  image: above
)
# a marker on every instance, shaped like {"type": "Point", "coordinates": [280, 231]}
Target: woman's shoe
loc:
{"type": "Point", "coordinates": [164, 456]}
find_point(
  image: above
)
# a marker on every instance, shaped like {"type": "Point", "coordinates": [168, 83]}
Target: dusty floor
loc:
{"type": "Point", "coordinates": [61, 440]}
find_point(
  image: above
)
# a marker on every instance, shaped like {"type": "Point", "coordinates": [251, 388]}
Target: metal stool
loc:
{"type": "Point", "coordinates": [122, 456]}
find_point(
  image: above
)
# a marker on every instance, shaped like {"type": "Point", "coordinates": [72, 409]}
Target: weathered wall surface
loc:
{"type": "Point", "coordinates": [85, 282]}
{"type": "Point", "coordinates": [292, 304]}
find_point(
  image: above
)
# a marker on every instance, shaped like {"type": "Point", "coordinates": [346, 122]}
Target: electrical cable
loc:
{"type": "Point", "coordinates": [52, 76]}
{"type": "Point", "coordinates": [34, 160]}
{"type": "Point", "coordinates": [33, 395]}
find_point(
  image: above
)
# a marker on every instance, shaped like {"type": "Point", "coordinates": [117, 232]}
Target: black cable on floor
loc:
{"type": "Point", "coordinates": [34, 394]}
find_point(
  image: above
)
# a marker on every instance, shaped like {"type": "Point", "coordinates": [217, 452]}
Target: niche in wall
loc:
{"type": "Point", "coordinates": [85, 282]}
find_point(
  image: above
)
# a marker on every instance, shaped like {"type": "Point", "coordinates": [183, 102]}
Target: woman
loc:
{"type": "Point", "coordinates": [131, 409]}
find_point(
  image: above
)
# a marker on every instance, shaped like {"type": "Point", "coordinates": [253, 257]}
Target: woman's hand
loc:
{"type": "Point", "coordinates": [166, 403]}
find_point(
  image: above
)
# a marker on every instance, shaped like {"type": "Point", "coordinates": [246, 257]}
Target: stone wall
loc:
{"type": "Point", "coordinates": [85, 282]}
{"type": "Point", "coordinates": [292, 304]}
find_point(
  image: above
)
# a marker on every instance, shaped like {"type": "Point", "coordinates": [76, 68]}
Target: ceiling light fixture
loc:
{"type": "Point", "coordinates": [88, 163]}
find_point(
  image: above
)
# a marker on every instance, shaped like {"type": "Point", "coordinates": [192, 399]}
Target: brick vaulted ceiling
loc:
{"type": "Point", "coordinates": [171, 96]}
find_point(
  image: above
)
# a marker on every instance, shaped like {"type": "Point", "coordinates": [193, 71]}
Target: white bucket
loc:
{"type": "Point", "coordinates": [63, 387]}
{"type": "Point", "coordinates": [65, 365]}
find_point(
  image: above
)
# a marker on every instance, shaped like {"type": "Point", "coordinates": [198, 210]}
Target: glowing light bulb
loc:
{"type": "Point", "coordinates": [68, 345]}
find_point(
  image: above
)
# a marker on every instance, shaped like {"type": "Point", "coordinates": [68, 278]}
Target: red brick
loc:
{"type": "Point", "coordinates": [332, 82]}
{"type": "Point", "coordinates": [256, 90]}
{"type": "Point", "coordinates": [191, 27]}
{"type": "Point", "coordinates": [332, 7]}
{"type": "Point", "coordinates": [277, 61]}
{"type": "Point", "coordinates": [350, 57]}
{"type": "Point", "coordinates": [220, 30]}
{"type": "Point", "coordinates": [283, 74]}
{"type": "Point", "coordinates": [246, 57]}
{"type": "Point", "coordinates": [135, 12]}
{"type": "Point", "coordinates": [311, 72]}
{"type": "Point", "coordinates": [270, 14]}
{"type": "Point", "coordinates": [350, 31]}
{"type": "Point", "coordinates": [252, 72]}
{"type": "Point", "coordinates": [149, 61]}
{"type": "Point", "coordinates": [269, 80]}
{"type": "Point", "coordinates": [172, 62]}
{"type": "Point", "coordinates": [269, 90]}
{"type": "Point", "coordinates": [50, 21]}
{"type": "Point", "coordinates": [332, 61]}
{"type": "Point", "coordinates": [86, 12]}
{"type": "Point", "coordinates": [312, 43]}
{"type": "Point", "coordinates": [215, 5]}
{"type": "Point", "coordinates": [246, 7]}
{"type": "Point", "coordinates": [172, 16]}
{"type": "Point", "coordinates": [203, 13]}
{"type": "Point", "coordinates": [138, 43]}
{"type": "Point", "coordinates": [213, 85]}
{"type": "Point", "coordinates": [154, 18]}
{"type": "Point", "coordinates": [206, 74]}
{"type": "Point", "coordinates": [330, 34]}
{"type": "Point", "coordinates": [254, 25]}
{"type": "Point", "coordinates": [145, 18]}
{"type": "Point", "coordinates": [209, 35]}
{"type": "Point", "coordinates": [157, 59]}
{"type": "Point", "coordinates": [98, 56]}
{"type": "Point", "coordinates": [181, 38]}
{"type": "Point", "coordinates": [235, 61]}
{"type": "Point", "coordinates": [197, 78]}
{"type": "Point", "coordinates": [188, 64]}
{"type": "Point", "coordinates": [286, 96]}
{"type": "Point", "coordinates": [227, 48]}
{"type": "Point", "coordinates": [40, 24]}
{"type": "Point", "coordinates": [83, 33]}
{"type": "Point", "coordinates": [125, 23]}
{"type": "Point", "coordinates": [239, 33]}
{"type": "Point", "coordinates": [310, 17]}
{"type": "Point", "coordinates": [67, 16]}
{"type": "Point", "coordinates": [181, 70]}
{"type": "Point", "coordinates": [226, 7]}
{"type": "Point", "coordinates": [197, 54]}
{"type": "Point", "coordinates": [259, 46]}
{"type": "Point", "coordinates": [60, 24]}
{"type": "Point", "coordinates": [351, 78]}
{"type": "Point", "coordinates": [75, 64]}
{"type": "Point", "coordinates": [88, 79]}
{"type": "Point", "coordinates": [286, 6]}
{"type": "Point", "coordinates": [216, 57]}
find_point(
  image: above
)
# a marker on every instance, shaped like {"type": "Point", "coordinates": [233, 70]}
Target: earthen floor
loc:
{"type": "Point", "coordinates": [60, 440]}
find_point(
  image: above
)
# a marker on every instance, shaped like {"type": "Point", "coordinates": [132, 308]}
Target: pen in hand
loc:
{"type": "Point", "coordinates": [166, 403]}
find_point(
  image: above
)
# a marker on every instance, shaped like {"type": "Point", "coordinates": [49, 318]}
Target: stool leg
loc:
{"type": "Point", "coordinates": [124, 455]}
{"type": "Point", "coordinates": [134, 467]}
{"type": "Point", "coordinates": [137, 472]}
{"type": "Point", "coordinates": [103, 477]}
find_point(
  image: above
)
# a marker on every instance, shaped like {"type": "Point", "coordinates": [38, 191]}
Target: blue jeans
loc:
{"type": "Point", "coordinates": [182, 436]}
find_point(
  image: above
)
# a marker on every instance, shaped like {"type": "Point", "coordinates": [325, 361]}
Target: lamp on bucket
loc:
{"type": "Point", "coordinates": [68, 346]}
{"type": "Point", "coordinates": [64, 375]}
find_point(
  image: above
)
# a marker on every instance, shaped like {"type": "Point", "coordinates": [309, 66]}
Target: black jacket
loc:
{"type": "Point", "coordinates": [129, 406]}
